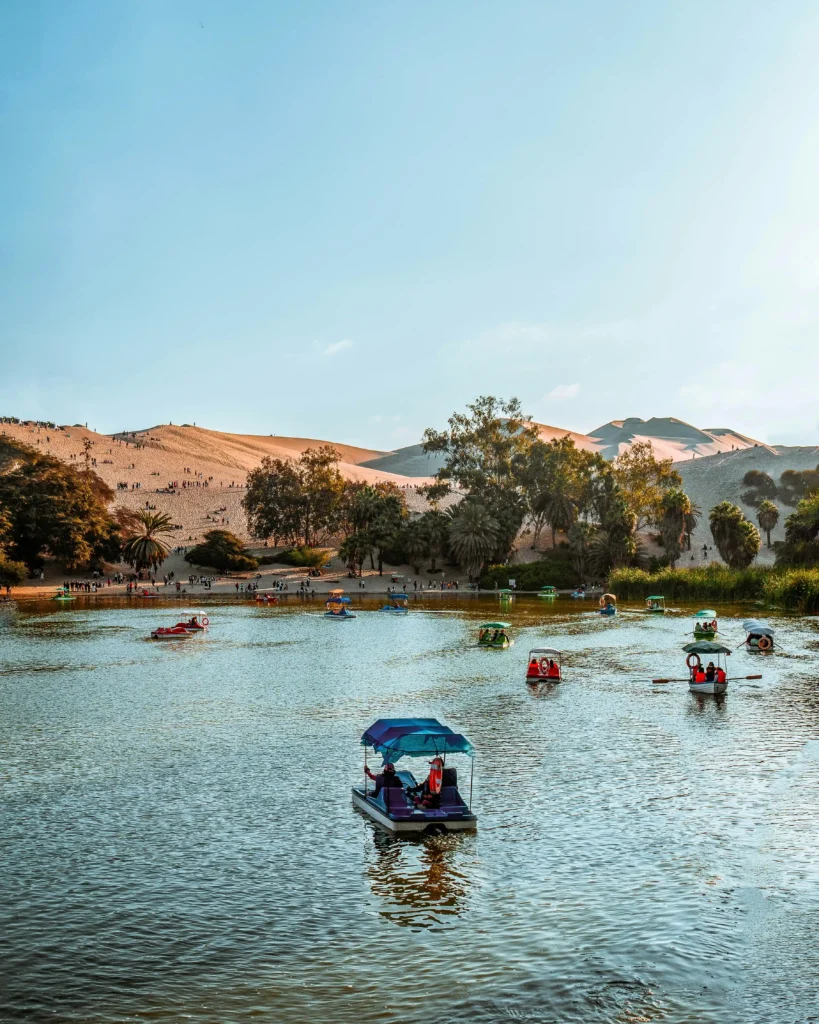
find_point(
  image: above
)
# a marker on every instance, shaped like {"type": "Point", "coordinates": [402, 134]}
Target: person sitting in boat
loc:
{"type": "Point", "coordinates": [534, 667]}
{"type": "Point", "coordinates": [699, 674]}
{"type": "Point", "coordinates": [428, 794]}
{"type": "Point", "coordinates": [710, 672]}
{"type": "Point", "coordinates": [554, 670]}
{"type": "Point", "coordinates": [720, 677]}
{"type": "Point", "coordinates": [386, 779]}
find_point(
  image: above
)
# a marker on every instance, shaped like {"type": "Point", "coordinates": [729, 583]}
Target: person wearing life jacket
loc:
{"type": "Point", "coordinates": [721, 675]}
{"type": "Point", "coordinates": [430, 789]}
{"type": "Point", "coordinates": [554, 670]}
{"type": "Point", "coordinates": [533, 671]}
{"type": "Point", "coordinates": [699, 674]}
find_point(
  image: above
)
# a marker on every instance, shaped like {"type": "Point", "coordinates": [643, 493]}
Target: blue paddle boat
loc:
{"type": "Point", "coordinates": [336, 606]}
{"type": "Point", "coordinates": [398, 604]}
{"type": "Point", "coordinates": [404, 805]}
{"type": "Point", "coordinates": [608, 604]}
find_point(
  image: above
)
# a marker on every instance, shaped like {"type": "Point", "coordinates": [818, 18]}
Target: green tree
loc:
{"type": "Point", "coordinates": [643, 479]}
{"type": "Point", "coordinates": [435, 525]}
{"type": "Point", "coordinates": [761, 487]}
{"type": "Point", "coordinates": [12, 574]}
{"type": "Point", "coordinates": [472, 536]}
{"type": "Point", "coordinates": [767, 516]}
{"type": "Point", "coordinates": [581, 538]}
{"type": "Point", "coordinates": [296, 501]}
{"type": "Point", "coordinates": [222, 550]}
{"type": "Point", "coordinates": [794, 485]}
{"type": "Point", "coordinates": [354, 550]}
{"type": "Point", "coordinates": [54, 509]}
{"type": "Point", "coordinates": [557, 484]}
{"type": "Point", "coordinates": [674, 507]}
{"type": "Point", "coordinates": [415, 543]}
{"type": "Point", "coordinates": [144, 546]}
{"type": "Point", "coordinates": [692, 517]}
{"type": "Point", "coordinates": [801, 546]}
{"type": "Point", "coordinates": [736, 538]}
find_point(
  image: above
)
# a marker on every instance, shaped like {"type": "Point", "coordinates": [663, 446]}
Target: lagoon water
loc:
{"type": "Point", "coordinates": [178, 842]}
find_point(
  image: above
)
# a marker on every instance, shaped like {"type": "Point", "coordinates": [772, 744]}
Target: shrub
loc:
{"type": "Point", "coordinates": [221, 550]}
{"type": "Point", "coordinates": [556, 571]}
{"type": "Point", "coordinates": [299, 557]}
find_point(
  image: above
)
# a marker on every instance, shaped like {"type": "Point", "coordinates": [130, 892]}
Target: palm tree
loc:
{"type": "Point", "coordinates": [354, 550]}
{"type": "Point", "coordinates": [472, 536]}
{"type": "Point", "coordinates": [581, 535]}
{"type": "Point", "coordinates": [415, 543]}
{"type": "Point", "coordinates": [767, 516]}
{"type": "Point", "coordinates": [674, 507]}
{"type": "Point", "coordinates": [692, 517]}
{"type": "Point", "coordinates": [736, 538]}
{"type": "Point", "coordinates": [436, 527]}
{"type": "Point", "coordinates": [143, 547]}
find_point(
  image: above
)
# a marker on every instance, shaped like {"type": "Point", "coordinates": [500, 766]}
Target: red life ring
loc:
{"type": "Point", "coordinates": [205, 620]}
{"type": "Point", "coordinates": [696, 663]}
{"type": "Point", "coordinates": [764, 643]}
{"type": "Point", "coordinates": [544, 665]}
{"type": "Point", "coordinates": [714, 626]}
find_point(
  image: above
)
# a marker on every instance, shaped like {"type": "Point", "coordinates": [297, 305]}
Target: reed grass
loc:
{"type": "Point", "coordinates": [790, 589]}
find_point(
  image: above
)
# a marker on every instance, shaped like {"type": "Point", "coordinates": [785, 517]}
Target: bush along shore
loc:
{"type": "Point", "coordinates": [790, 589]}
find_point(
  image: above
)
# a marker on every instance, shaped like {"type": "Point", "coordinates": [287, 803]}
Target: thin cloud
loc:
{"type": "Point", "coordinates": [564, 391]}
{"type": "Point", "coordinates": [335, 347]}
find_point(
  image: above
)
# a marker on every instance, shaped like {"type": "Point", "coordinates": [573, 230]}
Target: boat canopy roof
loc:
{"type": "Point", "coordinates": [706, 647]}
{"type": "Point", "coordinates": [655, 597]}
{"type": "Point", "coordinates": [337, 600]}
{"type": "Point", "coordinates": [496, 625]}
{"type": "Point", "coordinates": [193, 611]}
{"type": "Point", "coordinates": [504, 590]}
{"type": "Point", "coordinates": [415, 737]}
{"type": "Point", "coordinates": [758, 627]}
{"type": "Point", "coordinates": [544, 650]}
{"type": "Point", "coordinates": [706, 613]}
{"type": "Point", "coordinates": [331, 592]}
{"type": "Point", "coordinates": [405, 596]}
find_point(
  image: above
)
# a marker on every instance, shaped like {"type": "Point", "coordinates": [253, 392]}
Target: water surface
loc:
{"type": "Point", "coordinates": [178, 841]}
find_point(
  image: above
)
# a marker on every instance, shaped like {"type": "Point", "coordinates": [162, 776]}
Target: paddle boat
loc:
{"type": "Point", "coordinates": [608, 604]}
{"type": "Point", "coordinates": [397, 604]}
{"type": "Point", "coordinates": [698, 681]}
{"type": "Point", "coordinates": [267, 597]}
{"type": "Point", "coordinates": [760, 635]}
{"type": "Point", "coordinates": [580, 592]}
{"type": "Point", "coordinates": [396, 808]}
{"type": "Point", "coordinates": [336, 605]}
{"type": "Point", "coordinates": [171, 633]}
{"type": "Point", "coordinates": [544, 664]}
{"type": "Point", "coordinates": [505, 595]}
{"type": "Point", "coordinates": [547, 592]}
{"type": "Point", "coordinates": [656, 604]}
{"type": "Point", "coordinates": [64, 595]}
{"type": "Point", "coordinates": [494, 635]}
{"type": "Point", "coordinates": [198, 622]}
{"type": "Point", "coordinates": [147, 593]}
{"type": "Point", "coordinates": [705, 624]}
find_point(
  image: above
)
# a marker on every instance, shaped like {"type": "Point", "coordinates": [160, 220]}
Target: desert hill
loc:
{"type": "Point", "coordinates": [672, 438]}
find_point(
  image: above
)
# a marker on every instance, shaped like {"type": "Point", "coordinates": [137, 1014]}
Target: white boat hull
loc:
{"type": "Point", "coordinates": [420, 824]}
{"type": "Point", "coordinates": [712, 688]}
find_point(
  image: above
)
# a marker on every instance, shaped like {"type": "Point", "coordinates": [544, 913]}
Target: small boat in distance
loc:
{"type": "Point", "coordinates": [544, 665]}
{"type": "Point", "coordinates": [547, 591]}
{"type": "Point", "coordinates": [760, 635]}
{"type": "Point", "coordinates": [266, 597]}
{"type": "Point", "coordinates": [608, 604]}
{"type": "Point", "coordinates": [336, 605]}
{"type": "Point", "coordinates": [63, 594]}
{"type": "Point", "coordinates": [494, 635]}
{"type": "Point", "coordinates": [580, 592]}
{"type": "Point", "coordinates": [706, 626]}
{"type": "Point", "coordinates": [656, 604]}
{"type": "Point", "coordinates": [397, 604]}
{"type": "Point", "coordinates": [505, 595]}
{"type": "Point", "coordinates": [403, 805]}
{"type": "Point", "coordinates": [713, 678]}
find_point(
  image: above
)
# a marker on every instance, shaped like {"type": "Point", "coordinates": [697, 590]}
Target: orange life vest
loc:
{"type": "Point", "coordinates": [436, 777]}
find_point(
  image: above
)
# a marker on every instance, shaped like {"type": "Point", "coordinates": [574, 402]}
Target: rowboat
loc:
{"type": "Point", "coordinates": [266, 597]}
{"type": "Point", "coordinates": [402, 805]}
{"type": "Point", "coordinates": [544, 664]}
{"type": "Point", "coordinates": [760, 635]}
{"type": "Point", "coordinates": [64, 595]}
{"type": "Point", "coordinates": [494, 635]}
{"type": "Point", "coordinates": [706, 626]}
{"type": "Point", "coordinates": [547, 592]}
{"type": "Point", "coordinates": [713, 678]}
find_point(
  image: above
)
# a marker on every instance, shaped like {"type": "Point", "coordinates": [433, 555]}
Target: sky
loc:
{"type": "Point", "coordinates": [348, 220]}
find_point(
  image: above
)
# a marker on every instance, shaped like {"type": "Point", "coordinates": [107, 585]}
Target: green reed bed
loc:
{"type": "Point", "coordinates": [791, 589]}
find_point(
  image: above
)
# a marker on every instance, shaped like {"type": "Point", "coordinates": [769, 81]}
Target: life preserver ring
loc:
{"type": "Point", "coordinates": [544, 665]}
{"type": "Point", "coordinates": [205, 620]}
{"type": "Point", "coordinates": [696, 663]}
{"type": "Point", "coordinates": [436, 778]}
{"type": "Point", "coordinates": [764, 643]}
{"type": "Point", "coordinates": [714, 626]}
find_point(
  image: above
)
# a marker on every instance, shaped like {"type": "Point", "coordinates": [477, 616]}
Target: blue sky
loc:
{"type": "Point", "coordinates": [346, 220]}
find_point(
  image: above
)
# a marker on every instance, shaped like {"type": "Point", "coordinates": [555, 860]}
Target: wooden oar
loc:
{"type": "Point", "coordinates": [729, 679]}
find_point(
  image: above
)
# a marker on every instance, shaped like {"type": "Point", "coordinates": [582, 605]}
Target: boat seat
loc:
{"type": "Point", "coordinates": [449, 777]}
{"type": "Point", "coordinates": [395, 800]}
{"type": "Point", "coordinates": [451, 798]}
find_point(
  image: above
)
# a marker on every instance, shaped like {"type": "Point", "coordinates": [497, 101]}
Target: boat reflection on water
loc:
{"type": "Point", "coordinates": [420, 878]}
{"type": "Point", "coordinates": [702, 703]}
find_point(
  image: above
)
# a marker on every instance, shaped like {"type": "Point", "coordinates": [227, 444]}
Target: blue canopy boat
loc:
{"type": "Point", "coordinates": [399, 604]}
{"type": "Point", "coordinates": [336, 606]}
{"type": "Point", "coordinates": [394, 808]}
